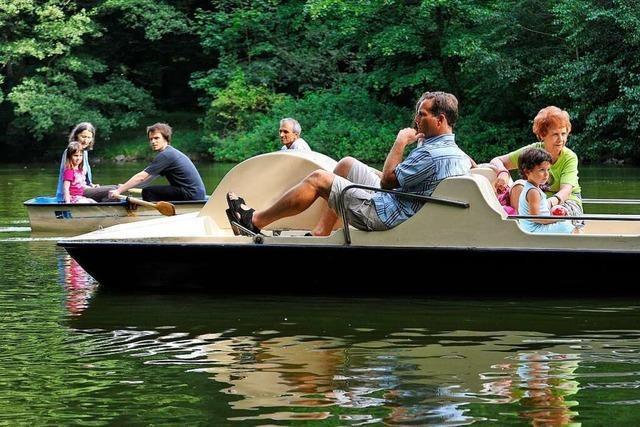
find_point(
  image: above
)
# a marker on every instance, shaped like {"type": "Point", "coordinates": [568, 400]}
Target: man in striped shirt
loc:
{"type": "Point", "coordinates": [435, 158]}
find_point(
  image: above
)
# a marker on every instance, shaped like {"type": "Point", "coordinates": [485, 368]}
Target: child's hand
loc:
{"type": "Point", "coordinates": [558, 210]}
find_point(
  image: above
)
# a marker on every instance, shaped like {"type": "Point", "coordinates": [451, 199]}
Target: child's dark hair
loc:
{"type": "Point", "coordinates": [530, 158]}
{"type": "Point", "coordinates": [72, 149]}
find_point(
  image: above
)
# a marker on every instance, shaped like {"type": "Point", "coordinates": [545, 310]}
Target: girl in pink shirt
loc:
{"type": "Point", "coordinates": [75, 176]}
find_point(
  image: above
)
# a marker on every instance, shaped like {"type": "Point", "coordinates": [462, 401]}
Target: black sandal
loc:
{"type": "Point", "coordinates": [237, 214]}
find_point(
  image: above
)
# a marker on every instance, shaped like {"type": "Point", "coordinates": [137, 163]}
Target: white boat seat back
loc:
{"type": "Point", "coordinates": [487, 172]}
{"type": "Point", "coordinates": [487, 189]}
{"type": "Point", "coordinates": [261, 180]}
{"type": "Point", "coordinates": [450, 225]}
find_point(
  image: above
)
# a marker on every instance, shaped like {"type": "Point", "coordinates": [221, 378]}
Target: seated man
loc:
{"type": "Point", "coordinates": [437, 157]}
{"type": "Point", "coordinates": [184, 179]}
{"type": "Point", "coordinates": [290, 131]}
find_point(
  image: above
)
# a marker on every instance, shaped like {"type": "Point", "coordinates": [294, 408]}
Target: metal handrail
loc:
{"type": "Point", "coordinates": [611, 201]}
{"type": "Point", "coordinates": [402, 194]}
{"type": "Point", "coordinates": [592, 217]}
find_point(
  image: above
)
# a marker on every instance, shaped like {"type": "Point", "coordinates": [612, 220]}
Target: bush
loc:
{"type": "Point", "coordinates": [133, 143]}
{"type": "Point", "coordinates": [342, 122]}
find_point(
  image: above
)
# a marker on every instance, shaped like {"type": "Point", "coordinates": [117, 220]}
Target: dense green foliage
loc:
{"type": "Point", "coordinates": [348, 70]}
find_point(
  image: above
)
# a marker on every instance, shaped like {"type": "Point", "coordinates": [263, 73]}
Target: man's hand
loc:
{"type": "Point", "coordinates": [405, 137]}
{"type": "Point", "coordinates": [408, 136]}
{"type": "Point", "coordinates": [114, 194]}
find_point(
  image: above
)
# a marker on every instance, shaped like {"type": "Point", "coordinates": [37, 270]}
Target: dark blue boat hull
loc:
{"type": "Point", "coordinates": [326, 270]}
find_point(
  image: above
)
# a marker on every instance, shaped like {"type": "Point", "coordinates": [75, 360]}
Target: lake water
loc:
{"type": "Point", "coordinates": [71, 354]}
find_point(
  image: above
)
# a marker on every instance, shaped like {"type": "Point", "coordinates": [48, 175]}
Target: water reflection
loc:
{"type": "Point", "coordinates": [384, 381]}
{"type": "Point", "coordinates": [287, 361]}
{"type": "Point", "coordinates": [541, 383]}
{"type": "Point", "coordinates": [79, 286]}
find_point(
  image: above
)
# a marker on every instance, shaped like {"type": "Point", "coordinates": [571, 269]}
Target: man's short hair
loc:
{"type": "Point", "coordinates": [164, 129]}
{"type": "Point", "coordinates": [295, 126]}
{"type": "Point", "coordinates": [443, 103]}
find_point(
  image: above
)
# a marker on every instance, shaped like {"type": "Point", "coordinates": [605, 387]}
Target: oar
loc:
{"type": "Point", "coordinates": [165, 208]}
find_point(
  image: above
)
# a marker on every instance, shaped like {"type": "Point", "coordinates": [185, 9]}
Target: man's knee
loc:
{"type": "Point", "coordinates": [344, 166]}
{"type": "Point", "coordinates": [149, 194]}
{"type": "Point", "coordinates": [321, 180]}
{"type": "Point", "coordinates": [146, 193]}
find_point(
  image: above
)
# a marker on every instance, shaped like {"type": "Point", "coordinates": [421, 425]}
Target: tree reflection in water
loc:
{"type": "Point", "coordinates": [277, 372]}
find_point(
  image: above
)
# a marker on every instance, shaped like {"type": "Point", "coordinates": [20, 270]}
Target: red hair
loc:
{"type": "Point", "coordinates": [548, 117]}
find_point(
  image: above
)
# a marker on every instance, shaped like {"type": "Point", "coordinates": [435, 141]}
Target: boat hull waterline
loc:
{"type": "Point", "coordinates": [327, 269]}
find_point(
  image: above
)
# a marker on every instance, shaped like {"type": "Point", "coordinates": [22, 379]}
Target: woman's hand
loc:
{"type": "Point", "coordinates": [501, 166]}
{"type": "Point", "coordinates": [502, 182]}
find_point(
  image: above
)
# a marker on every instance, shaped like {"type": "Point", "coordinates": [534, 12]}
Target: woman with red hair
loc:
{"type": "Point", "coordinates": [552, 127]}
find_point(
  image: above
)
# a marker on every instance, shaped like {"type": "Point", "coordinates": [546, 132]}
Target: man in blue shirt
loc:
{"type": "Point", "coordinates": [435, 158]}
{"type": "Point", "coordinates": [184, 179]}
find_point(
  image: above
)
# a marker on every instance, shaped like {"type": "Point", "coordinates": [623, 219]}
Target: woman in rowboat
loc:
{"type": "Point", "coordinates": [84, 133]}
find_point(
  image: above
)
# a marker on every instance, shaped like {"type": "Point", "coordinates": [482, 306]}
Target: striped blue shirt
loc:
{"type": "Point", "coordinates": [423, 169]}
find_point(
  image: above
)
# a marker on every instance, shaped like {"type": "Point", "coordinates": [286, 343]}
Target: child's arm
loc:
{"type": "Point", "coordinates": [67, 194]}
{"type": "Point", "coordinates": [68, 177]}
{"type": "Point", "coordinates": [533, 198]}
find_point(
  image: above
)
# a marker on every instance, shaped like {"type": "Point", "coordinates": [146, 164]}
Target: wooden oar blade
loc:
{"type": "Point", "coordinates": [166, 208]}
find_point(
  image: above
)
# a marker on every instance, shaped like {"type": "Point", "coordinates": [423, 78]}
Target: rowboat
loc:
{"type": "Point", "coordinates": [46, 215]}
{"type": "Point", "coordinates": [460, 241]}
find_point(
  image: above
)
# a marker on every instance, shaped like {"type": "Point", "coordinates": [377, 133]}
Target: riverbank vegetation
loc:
{"type": "Point", "coordinates": [226, 71]}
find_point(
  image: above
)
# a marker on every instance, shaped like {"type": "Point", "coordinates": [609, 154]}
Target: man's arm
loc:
{"type": "Point", "coordinates": [405, 137]}
{"type": "Point", "coordinates": [135, 180]}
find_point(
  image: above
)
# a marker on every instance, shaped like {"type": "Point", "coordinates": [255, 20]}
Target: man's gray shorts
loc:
{"type": "Point", "coordinates": [361, 212]}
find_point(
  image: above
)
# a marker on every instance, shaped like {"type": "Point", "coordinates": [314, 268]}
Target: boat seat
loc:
{"type": "Point", "coordinates": [483, 178]}
{"type": "Point", "coordinates": [261, 180]}
{"type": "Point", "coordinates": [487, 172]}
{"type": "Point", "coordinates": [449, 225]}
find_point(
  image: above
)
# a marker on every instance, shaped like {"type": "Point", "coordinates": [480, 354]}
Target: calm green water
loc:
{"type": "Point", "coordinates": [71, 354]}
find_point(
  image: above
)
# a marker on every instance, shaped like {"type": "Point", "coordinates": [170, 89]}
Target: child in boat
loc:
{"type": "Point", "coordinates": [534, 165]}
{"type": "Point", "coordinates": [84, 133]}
{"type": "Point", "coordinates": [75, 177]}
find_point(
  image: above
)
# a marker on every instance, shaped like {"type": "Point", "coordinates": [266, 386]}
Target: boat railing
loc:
{"type": "Point", "coordinates": [401, 194]}
{"type": "Point", "coordinates": [611, 201]}
{"type": "Point", "coordinates": [591, 217]}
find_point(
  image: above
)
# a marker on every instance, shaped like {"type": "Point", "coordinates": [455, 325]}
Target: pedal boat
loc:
{"type": "Point", "coordinates": [461, 241]}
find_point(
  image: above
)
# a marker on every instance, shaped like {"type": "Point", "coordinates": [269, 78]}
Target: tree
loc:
{"type": "Point", "coordinates": [49, 83]}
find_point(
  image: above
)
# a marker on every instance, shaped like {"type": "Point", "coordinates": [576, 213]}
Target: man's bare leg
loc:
{"type": "Point", "coordinates": [326, 223]}
{"type": "Point", "coordinates": [297, 199]}
{"type": "Point", "coordinates": [328, 217]}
